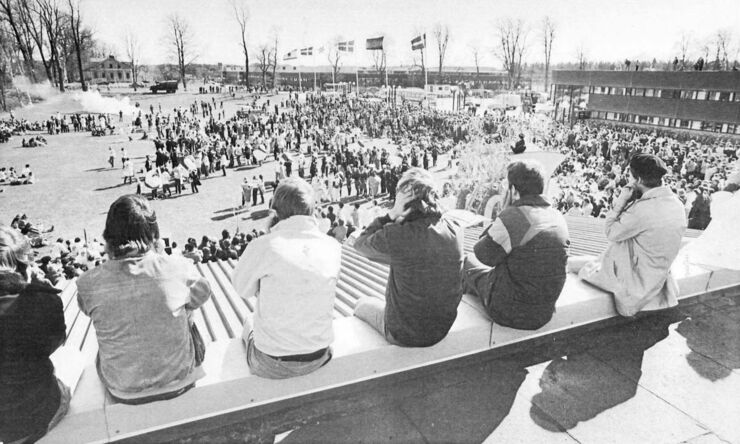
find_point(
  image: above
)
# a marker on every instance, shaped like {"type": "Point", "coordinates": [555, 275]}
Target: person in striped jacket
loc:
{"type": "Point", "coordinates": [518, 268]}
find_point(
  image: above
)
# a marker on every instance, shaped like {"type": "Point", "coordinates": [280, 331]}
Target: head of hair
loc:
{"type": "Point", "coordinates": [15, 251]}
{"type": "Point", "coordinates": [131, 227]}
{"type": "Point", "coordinates": [526, 176]}
{"type": "Point", "coordinates": [420, 183]}
{"type": "Point", "coordinates": [649, 168]}
{"type": "Point", "coordinates": [293, 197]}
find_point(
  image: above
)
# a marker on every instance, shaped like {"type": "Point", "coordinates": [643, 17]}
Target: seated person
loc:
{"type": "Point", "coordinates": [644, 230]}
{"type": "Point", "coordinates": [140, 303]}
{"type": "Point", "coordinates": [520, 146]}
{"type": "Point", "coordinates": [32, 399]}
{"type": "Point", "coordinates": [292, 271]}
{"type": "Point", "coordinates": [424, 251]}
{"type": "Point", "coordinates": [518, 266]}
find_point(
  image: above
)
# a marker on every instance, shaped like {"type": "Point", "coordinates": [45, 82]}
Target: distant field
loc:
{"type": "Point", "coordinates": [75, 185]}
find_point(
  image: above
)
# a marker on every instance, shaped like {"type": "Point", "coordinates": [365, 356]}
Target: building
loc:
{"type": "Point", "coordinates": [108, 70]}
{"type": "Point", "coordinates": [408, 77]}
{"type": "Point", "coordinates": [700, 102]}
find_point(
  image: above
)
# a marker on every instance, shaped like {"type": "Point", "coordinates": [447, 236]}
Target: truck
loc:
{"type": "Point", "coordinates": [168, 86]}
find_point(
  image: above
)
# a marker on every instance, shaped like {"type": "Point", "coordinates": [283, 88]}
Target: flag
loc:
{"type": "Point", "coordinates": [307, 51]}
{"type": "Point", "coordinates": [348, 46]}
{"type": "Point", "coordinates": [374, 43]}
{"type": "Point", "coordinates": [291, 55]}
{"type": "Point", "coordinates": [419, 42]}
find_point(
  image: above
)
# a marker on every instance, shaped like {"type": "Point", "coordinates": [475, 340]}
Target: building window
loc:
{"type": "Point", "coordinates": [128, 75]}
{"type": "Point", "coordinates": [730, 128]}
{"type": "Point", "coordinates": [649, 92]}
{"type": "Point", "coordinates": [725, 96]}
{"type": "Point", "coordinates": [683, 123]}
{"type": "Point", "coordinates": [639, 92]}
{"type": "Point", "coordinates": [667, 93]}
{"type": "Point", "coordinates": [737, 96]}
{"type": "Point", "coordinates": [696, 124]}
{"type": "Point", "coordinates": [700, 95]}
{"type": "Point", "coordinates": [618, 91]}
{"type": "Point", "coordinates": [110, 65]}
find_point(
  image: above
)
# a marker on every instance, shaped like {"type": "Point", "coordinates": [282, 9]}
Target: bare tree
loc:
{"type": "Point", "coordinates": [684, 45]}
{"type": "Point", "coordinates": [379, 62]}
{"type": "Point", "coordinates": [723, 41]}
{"type": "Point", "coordinates": [442, 36]}
{"type": "Point", "coordinates": [51, 19]}
{"type": "Point", "coordinates": [9, 12]}
{"type": "Point", "coordinates": [275, 42]}
{"type": "Point", "coordinates": [75, 22]}
{"type": "Point", "coordinates": [264, 61]}
{"type": "Point", "coordinates": [548, 35]}
{"type": "Point", "coordinates": [241, 15]}
{"type": "Point", "coordinates": [133, 51]}
{"type": "Point", "coordinates": [512, 44]}
{"type": "Point", "coordinates": [475, 50]}
{"type": "Point", "coordinates": [30, 18]}
{"type": "Point", "coordinates": [181, 41]}
{"type": "Point", "coordinates": [581, 57]}
{"type": "Point", "coordinates": [334, 56]}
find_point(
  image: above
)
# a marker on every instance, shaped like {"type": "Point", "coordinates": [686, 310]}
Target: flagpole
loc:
{"type": "Point", "coordinates": [426, 71]}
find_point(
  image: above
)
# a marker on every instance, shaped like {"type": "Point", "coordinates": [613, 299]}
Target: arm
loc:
{"type": "Point", "coordinates": [247, 274]}
{"type": "Point", "coordinates": [374, 242]}
{"type": "Point", "coordinates": [200, 289]}
{"type": "Point", "coordinates": [623, 224]}
{"type": "Point", "coordinates": [494, 245]}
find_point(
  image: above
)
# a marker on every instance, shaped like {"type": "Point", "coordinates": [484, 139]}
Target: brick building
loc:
{"type": "Point", "coordinates": [108, 70]}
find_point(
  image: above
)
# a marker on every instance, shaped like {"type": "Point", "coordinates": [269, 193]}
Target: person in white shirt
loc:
{"type": "Point", "coordinates": [292, 271]}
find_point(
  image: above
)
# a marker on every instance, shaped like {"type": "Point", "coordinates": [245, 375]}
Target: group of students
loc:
{"type": "Point", "coordinates": [12, 177]}
{"type": "Point", "coordinates": [141, 301]}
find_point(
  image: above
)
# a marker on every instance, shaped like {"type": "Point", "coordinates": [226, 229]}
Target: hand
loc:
{"type": "Point", "coordinates": [625, 196]}
{"type": "Point", "coordinates": [399, 210]}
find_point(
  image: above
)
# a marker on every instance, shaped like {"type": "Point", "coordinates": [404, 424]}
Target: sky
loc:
{"type": "Point", "coordinates": [606, 30]}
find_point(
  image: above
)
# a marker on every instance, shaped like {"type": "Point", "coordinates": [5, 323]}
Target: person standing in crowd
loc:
{"type": "Point", "coordinates": [246, 193]}
{"type": "Point", "coordinates": [424, 251]}
{"type": "Point", "coordinates": [292, 271]}
{"type": "Point", "coordinates": [32, 399]}
{"type": "Point", "coordinates": [644, 229]}
{"type": "Point", "coordinates": [518, 266]}
{"type": "Point", "coordinates": [140, 303]}
{"type": "Point", "coordinates": [111, 156]}
{"type": "Point", "coordinates": [194, 181]}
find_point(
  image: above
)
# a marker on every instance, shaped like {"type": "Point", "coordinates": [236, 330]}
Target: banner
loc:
{"type": "Point", "coordinates": [374, 43]}
{"type": "Point", "coordinates": [348, 46]}
{"type": "Point", "coordinates": [419, 42]}
{"type": "Point", "coordinates": [291, 55]}
{"type": "Point", "coordinates": [307, 51]}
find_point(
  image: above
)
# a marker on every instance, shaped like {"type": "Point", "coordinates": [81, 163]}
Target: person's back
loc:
{"type": "Point", "coordinates": [644, 230]}
{"type": "Point", "coordinates": [138, 303]}
{"type": "Point", "coordinates": [519, 263]}
{"type": "Point", "coordinates": [424, 251]}
{"type": "Point", "coordinates": [32, 326]}
{"type": "Point", "coordinates": [293, 272]}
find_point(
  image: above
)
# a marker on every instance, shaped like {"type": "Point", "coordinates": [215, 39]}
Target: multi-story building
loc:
{"type": "Point", "coordinates": [695, 101]}
{"type": "Point", "coordinates": [108, 70]}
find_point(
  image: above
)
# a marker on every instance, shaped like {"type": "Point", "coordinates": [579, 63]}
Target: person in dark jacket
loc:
{"type": "Point", "coordinates": [32, 400]}
{"type": "Point", "coordinates": [520, 146]}
{"type": "Point", "coordinates": [424, 251]}
{"type": "Point", "coordinates": [519, 264]}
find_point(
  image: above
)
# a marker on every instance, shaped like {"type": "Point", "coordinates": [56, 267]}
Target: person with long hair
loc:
{"type": "Point", "coordinates": [32, 399]}
{"type": "Point", "coordinates": [140, 303]}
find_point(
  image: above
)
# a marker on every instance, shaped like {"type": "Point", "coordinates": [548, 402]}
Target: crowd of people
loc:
{"type": "Point", "coordinates": [648, 188]}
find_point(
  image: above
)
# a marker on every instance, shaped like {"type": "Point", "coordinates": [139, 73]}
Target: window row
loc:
{"type": "Point", "coordinates": [112, 76]}
{"type": "Point", "coordinates": [691, 94]}
{"type": "Point", "coordinates": [670, 122]}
